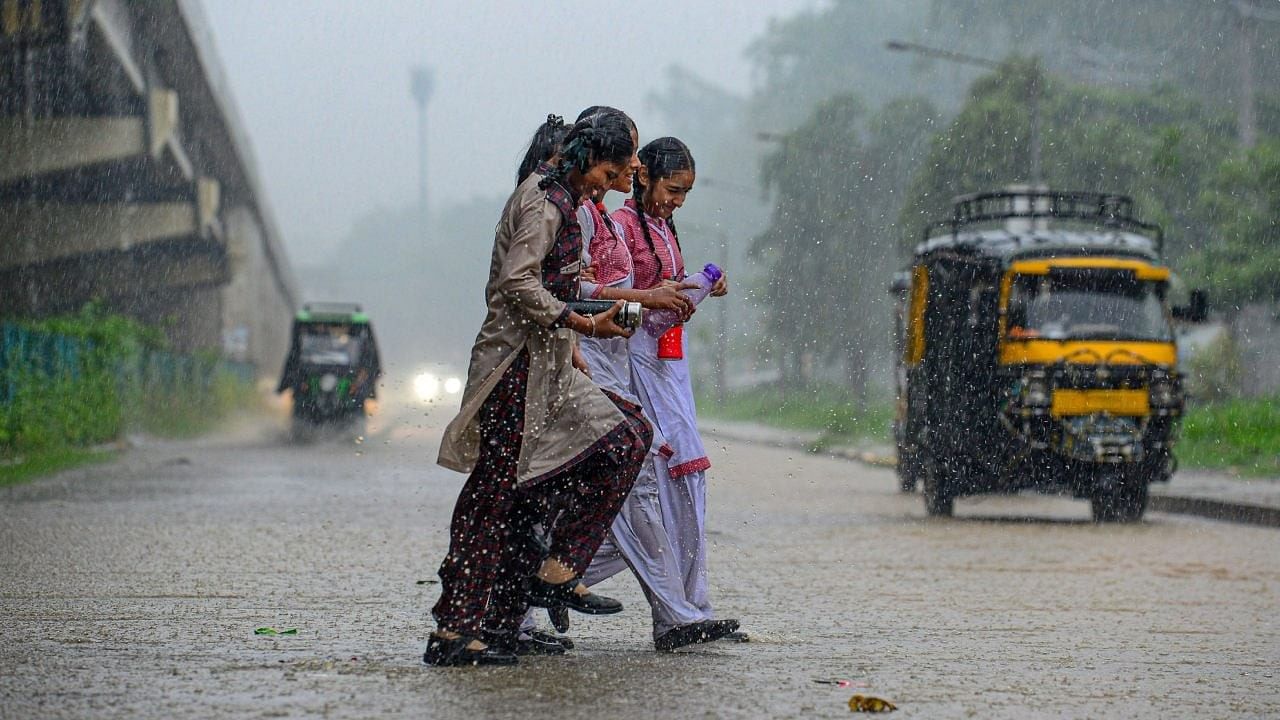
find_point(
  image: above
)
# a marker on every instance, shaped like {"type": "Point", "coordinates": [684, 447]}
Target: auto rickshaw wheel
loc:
{"type": "Point", "coordinates": [301, 431]}
{"type": "Point", "coordinates": [908, 471]}
{"type": "Point", "coordinates": [1124, 499]}
{"type": "Point", "coordinates": [939, 498]}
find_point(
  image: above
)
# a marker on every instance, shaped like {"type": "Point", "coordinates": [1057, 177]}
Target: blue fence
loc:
{"type": "Point", "coordinates": [30, 356]}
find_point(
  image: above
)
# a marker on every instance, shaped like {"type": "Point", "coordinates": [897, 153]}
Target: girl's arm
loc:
{"type": "Point", "coordinates": [666, 296]}
{"type": "Point", "coordinates": [520, 276]}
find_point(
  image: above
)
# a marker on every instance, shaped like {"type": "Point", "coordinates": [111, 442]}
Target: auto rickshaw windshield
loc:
{"type": "Point", "coordinates": [1088, 305]}
{"type": "Point", "coordinates": [328, 345]}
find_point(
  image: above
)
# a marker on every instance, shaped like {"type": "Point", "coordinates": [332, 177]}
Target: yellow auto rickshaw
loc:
{"type": "Point", "coordinates": [1037, 351]}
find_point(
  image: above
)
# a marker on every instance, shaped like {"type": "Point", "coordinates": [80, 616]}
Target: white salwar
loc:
{"type": "Point", "coordinates": [639, 538]}
{"type": "Point", "coordinates": [665, 391]}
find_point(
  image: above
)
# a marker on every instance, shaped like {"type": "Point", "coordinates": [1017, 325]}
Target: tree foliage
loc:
{"type": "Point", "coordinates": [1157, 145]}
{"type": "Point", "coordinates": [1140, 97]}
{"type": "Point", "coordinates": [1241, 201]}
{"type": "Point", "coordinates": [830, 243]}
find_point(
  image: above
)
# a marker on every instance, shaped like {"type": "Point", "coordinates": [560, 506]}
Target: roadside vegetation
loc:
{"type": "Point", "coordinates": [1238, 436]}
{"type": "Point", "coordinates": [70, 386]}
{"type": "Point", "coordinates": [830, 409]}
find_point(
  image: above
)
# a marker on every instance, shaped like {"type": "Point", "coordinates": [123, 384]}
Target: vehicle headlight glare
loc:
{"type": "Point", "coordinates": [427, 386]}
{"type": "Point", "coordinates": [453, 386]}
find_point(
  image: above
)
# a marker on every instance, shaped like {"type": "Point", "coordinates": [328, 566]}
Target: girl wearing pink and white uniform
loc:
{"type": "Point", "coordinates": [664, 387]}
{"type": "Point", "coordinates": [638, 538]}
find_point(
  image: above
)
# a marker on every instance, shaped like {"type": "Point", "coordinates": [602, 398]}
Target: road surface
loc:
{"type": "Point", "coordinates": [133, 589]}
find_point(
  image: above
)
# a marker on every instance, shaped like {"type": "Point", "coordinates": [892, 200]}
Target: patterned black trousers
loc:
{"type": "Point", "coordinates": [492, 546]}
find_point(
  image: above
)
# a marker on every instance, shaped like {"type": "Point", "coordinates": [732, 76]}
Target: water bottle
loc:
{"type": "Point", "coordinates": [657, 322]}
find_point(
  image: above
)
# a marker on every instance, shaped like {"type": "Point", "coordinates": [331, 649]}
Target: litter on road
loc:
{"type": "Point", "coordinates": [867, 703]}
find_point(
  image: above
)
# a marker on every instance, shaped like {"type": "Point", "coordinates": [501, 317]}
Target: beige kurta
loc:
{"type": "Point", "coordinates": [565, 413]}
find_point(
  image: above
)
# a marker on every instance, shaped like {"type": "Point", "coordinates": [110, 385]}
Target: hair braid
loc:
{"type": "Point", "coordinates": [644, 225]}
{"type": "Point", "coordinates": [546, 141]}
{"type": "Point", "coordinates": [661, 158]}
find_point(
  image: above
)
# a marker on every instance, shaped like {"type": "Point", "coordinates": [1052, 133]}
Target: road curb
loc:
{"type": "Point", "coordinates": [1240, 513]}
{"type": "Point", "coordinates": [1224, 510]}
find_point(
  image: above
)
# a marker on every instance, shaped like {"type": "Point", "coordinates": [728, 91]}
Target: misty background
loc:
{"type": "Point", "coordinates": [821, 152]}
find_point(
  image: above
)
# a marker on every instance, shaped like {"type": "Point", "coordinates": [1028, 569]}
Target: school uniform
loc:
{"type": "Point", "coordinates": [665, 389]}
{"type": "Point", "coordinates": [531, 426]}
{"type": "Point", "coordinates": [638, 538]}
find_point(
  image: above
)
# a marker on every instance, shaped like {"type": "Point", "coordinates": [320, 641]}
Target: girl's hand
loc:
{"type": "Point", "coordinates": [600, 325]}
{"type": "Point", "coordinates": [668, 296]}
{"type": "Point", "coordinates": [588, 274]}
{"type": "Point", "coordinates": [721, 288]}
{"type": "Point", "coordinates": [580, 362]}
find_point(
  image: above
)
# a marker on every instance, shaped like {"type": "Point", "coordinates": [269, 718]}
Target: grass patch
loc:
{"type": "Point", "coordinates": [829, 409]}
{"type": "Point", "coordinates": [48, 462]}
{"type": "Point", "coordinates": [1238, 435]}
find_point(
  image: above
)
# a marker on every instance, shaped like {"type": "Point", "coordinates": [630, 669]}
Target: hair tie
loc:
{"type": "Point", "coordinates": [555, 121]}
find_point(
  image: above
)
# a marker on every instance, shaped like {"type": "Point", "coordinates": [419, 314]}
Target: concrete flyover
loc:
{"type": "Point", "coordinates": [126, 177]}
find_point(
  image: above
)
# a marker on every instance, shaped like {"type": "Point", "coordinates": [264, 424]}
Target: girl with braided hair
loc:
{"type": "Point", "coordinates": [664, 388]}
{"type": "Point", "coordinates": [637, 538]}
{"type": "Point", "coordinates": [531, 426]}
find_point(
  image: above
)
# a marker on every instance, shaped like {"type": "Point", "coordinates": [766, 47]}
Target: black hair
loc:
{"type": "Point", "coordinates": [597, 109]}
{"type": "Point", "coordinates": [661, 158]}
{"type": "Point", "coordinates": [546, 141]}
{"type": "Point", "coordinates": [604, 136]}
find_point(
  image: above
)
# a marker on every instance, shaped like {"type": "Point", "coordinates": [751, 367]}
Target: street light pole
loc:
{"type": "Point", "coordinates": [1248, 16]}
{"type": "Point", "coordinates": [421, 85]}
{"type": "Point", "coordinates": [1033, 91]}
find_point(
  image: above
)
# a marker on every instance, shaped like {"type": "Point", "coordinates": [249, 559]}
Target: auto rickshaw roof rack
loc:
{"type": "Point", "coordinates": [1106, 210]}
{"type": "Point", "coordinates": [332, 312]}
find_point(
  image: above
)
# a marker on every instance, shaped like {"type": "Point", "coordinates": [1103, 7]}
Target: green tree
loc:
{"type": "Point", "coordinates": [1158, 145]}
{"type": "Point", "coordinates": [830, 247]}
{"type": "Point", "coordinates": [1241, 201]}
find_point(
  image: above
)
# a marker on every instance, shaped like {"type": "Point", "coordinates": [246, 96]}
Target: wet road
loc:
{"type": "Point", "coordinates": [133, 590]}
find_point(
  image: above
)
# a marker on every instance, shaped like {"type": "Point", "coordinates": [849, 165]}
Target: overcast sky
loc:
{"type": "Point", "coordinates": [323, 87]}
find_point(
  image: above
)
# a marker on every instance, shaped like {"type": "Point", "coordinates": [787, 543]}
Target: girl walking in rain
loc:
{"type": "Point", "coordinates": [664, 388]}
{"type": "Point", "coordinates": [532, 426]}
{"type": "Point", "coordinates": [639, 538]}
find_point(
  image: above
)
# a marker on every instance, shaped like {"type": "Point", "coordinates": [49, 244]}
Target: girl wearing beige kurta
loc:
{"type": "Point", "coordinates": [531, 426]}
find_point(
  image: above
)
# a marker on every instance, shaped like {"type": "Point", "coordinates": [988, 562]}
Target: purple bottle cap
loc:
{"type": "Point", "coordinates": [712, 271]}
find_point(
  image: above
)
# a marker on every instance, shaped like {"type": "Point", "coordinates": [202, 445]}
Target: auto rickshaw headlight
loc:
{"type": "Point", "coordinates": [328, 382]}
{"type": "Point", "coordinates": [1164, 393]}
{"type": "Point", "coordinates": [1035, 392]}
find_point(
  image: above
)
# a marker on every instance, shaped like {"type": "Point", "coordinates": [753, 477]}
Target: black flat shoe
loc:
{"type": "Point", "coordinates": [541, 593]}
{"type": "Point", "coordinates": [693, 634]}
{"type": "Point", "coordinates": [525, 644]}
{"type": "Point", "coordinates": [455, 653]}
{"type": "Point", "coordinates": [726, 629]}
{"type": "Point", "coordinates": [551, 644]}
{"type": "Point", "coordinates": [559, 617]}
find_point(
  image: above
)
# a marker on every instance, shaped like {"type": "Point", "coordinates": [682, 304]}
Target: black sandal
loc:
{"type": "Point", "coordinates": [543, 594]}
{"type": "Point", "coordinates": [693, 634]}
{"type": "Point", "coordinates": [520, 644]}
{"type": "Point", "coordinates": [442, 652]}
